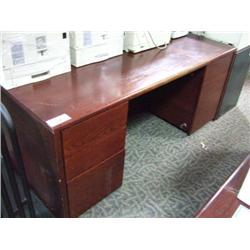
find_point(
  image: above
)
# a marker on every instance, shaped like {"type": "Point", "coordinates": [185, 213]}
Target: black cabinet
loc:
{"type": "Point", "coordinates": [236, 80]}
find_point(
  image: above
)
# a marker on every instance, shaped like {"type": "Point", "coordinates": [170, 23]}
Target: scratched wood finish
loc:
{"type": "Point", "coordinates": [176, 102]}
{"type": "Point", "coordinates": [90, 187]}
{"type": "Point", "coordinates": [224, 203]}
{"type": "Point", "coordinates": [83, 94]}
{"type": "Point", "coordinates": [42, 157]}
{"type": "Point", "coordinates": [92, 88]}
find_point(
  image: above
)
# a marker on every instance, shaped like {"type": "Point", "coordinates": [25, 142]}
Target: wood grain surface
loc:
{"type": "Point", "coordinates": [211, 90]}
{"type": "Point", "coordinates": [91, 186]}
{"type": "Point", "coordinates": [77, 163]}
{"type": "Point", "coordinates": [87, 90]}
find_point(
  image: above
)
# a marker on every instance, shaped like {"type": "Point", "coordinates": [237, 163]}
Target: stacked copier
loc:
{"type": "Point", "coordinates": [32, 57]}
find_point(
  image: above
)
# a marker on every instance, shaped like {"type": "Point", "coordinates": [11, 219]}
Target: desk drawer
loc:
{"type": "Point", "coordinates": [101, 125]}
{"type": "Point", "coordinates": [93, 185]}
{"type": "Point", "coordinates": [95, 152]}
{"type": "Point", "coordinates": [92, 141]}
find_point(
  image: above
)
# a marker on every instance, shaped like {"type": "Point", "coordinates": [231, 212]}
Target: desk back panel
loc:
{"type": "Point", "coordinates": [176, 102]}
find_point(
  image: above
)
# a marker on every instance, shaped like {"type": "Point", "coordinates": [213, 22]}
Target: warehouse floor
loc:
{"type": "Point", "coordinates": [170, 174]}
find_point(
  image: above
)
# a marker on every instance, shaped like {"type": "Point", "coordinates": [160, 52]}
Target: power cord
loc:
{"type": "Point", "coordinates": [158, 47]}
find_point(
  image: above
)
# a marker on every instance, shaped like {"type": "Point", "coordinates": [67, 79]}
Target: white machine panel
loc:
{"type": "Point", "coordinates": [94, 46]}
{"type": "Point", "coordinates": [237, 39]}
{"type": "Point", "coordinates": [136, 41]}
{"type": "Point", "coordinates": [33, 57]}
{"type": "Point", "coordinates": [177, 34]}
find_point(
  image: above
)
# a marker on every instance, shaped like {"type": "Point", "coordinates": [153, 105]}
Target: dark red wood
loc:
{"type": "Point", "coordinates": [176, 102]}
{"type": "Point", "coordinates": [224, 203]}
{"type": "Point", "coordinates": [90, 187]}
{"type": "Point", "coordinates": [42, 156]}
{"type": "Point", "coordinates": [96, 98]}
{"type": "Point", "coordinates": [211, 90]}
{"type": "Point", "coordinates": [90, 89]}
{"type": "Point", "coordinates": [92, 141]}
{"type": "Point", "coordinates": [95, 152]}
{"type": "Point", "coordinates": [90, 130]}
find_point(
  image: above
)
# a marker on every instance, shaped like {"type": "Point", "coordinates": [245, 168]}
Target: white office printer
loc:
{"type": "Point", "coordinates": [32, 57]}
{"type": "Point", "coordinates": [237, 39]}
{"type": "Point", "coordinates": [136, 41]}
{"type": "Point", "coordinates": [93, 46]}
{"type": "Point", "coordinates": [178, 34]}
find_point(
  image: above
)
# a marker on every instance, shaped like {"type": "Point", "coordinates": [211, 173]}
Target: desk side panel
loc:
{"type": "Point", "coordinates": [42, 157]}
{"type": "Point", "coordinates": [216, 74]}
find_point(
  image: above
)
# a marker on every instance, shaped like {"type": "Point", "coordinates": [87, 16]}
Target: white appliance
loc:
{"type": "Point", "coordinates": [136, 41]}
{"type": "Point", "coordinates": [177, 34]}
{"type": "Point", "coordinates": [33, 57]}
{"type": "Point", "coordinates": [198, 33]}
{"type": "Point", "coordinates": [94, 46]}
{"type": "Point", "coordinates": [237, 39]}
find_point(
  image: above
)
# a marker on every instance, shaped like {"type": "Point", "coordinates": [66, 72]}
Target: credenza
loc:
{"type": "Point", "coordinates": [72, 127]}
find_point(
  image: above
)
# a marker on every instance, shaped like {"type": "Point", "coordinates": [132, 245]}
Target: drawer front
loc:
{"type": "Point", "coordinates": [93, 185]}
{"type": "Point", "coordinates": [94, 153]}
{"type": "Point", "coordinates": [92, 141]}
{"type": "Point", "coordinates": [101, 125]}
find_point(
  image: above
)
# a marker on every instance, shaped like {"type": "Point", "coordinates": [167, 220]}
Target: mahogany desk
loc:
{"type": "Point", "coordinates": [74, 165]}
{"type": "Point", "coordinates": [225, 202]}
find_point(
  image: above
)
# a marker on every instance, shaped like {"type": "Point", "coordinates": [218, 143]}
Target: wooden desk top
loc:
{"type": "Point", "coordinates": [92, 88]}
{"type": "Point", "coordinates": [225, 202]}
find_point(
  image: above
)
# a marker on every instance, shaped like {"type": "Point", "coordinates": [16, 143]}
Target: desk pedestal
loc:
{"type": "Point", "coordinates": [191, 101]}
